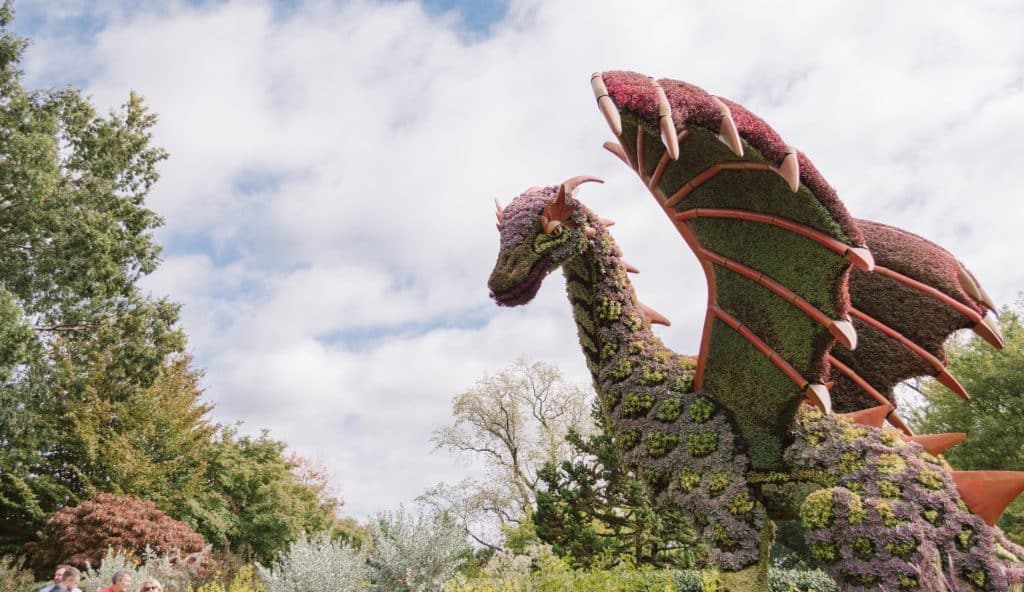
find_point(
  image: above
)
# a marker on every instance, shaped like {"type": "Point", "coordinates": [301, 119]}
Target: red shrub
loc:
{"type": "Point", "coordinates": [83, 533]}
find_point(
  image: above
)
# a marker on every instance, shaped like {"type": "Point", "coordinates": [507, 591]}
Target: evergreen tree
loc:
{"type": "Point", "coordinates": [596, 512]}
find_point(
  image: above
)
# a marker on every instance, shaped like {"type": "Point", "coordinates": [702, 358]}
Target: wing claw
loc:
{"type": "Point", "coordinates": [861, 258]}
{"type": "Point", "coordinates": [669, 135]}
{"type": "Point", "coordinates": [843, 331]}
{"type": "Point", "coordinates": [988, 329]}
{"type": "Point", "coordinates": [605, 103]}
{"type": "Point", "coordinates": [790, 169]}
{"type": "Point", "coordinates": [728, 132]}
{"type": "Point", "coordinates": [819, 395]}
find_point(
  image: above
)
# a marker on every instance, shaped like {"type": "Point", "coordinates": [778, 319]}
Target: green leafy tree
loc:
{"type": "Point", "coordinates": [992, 418]}
{"type": "Point", "coordinates": [256, 502]}
{"type": "Point", "coordinates": [595, 512]}
{"type": "Point", "coordinates": [75, 237]}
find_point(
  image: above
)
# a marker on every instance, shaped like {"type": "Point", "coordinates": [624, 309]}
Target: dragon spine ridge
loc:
{"type": "Point", "coordinates": [726, 436]}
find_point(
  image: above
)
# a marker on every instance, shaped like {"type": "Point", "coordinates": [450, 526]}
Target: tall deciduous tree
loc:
{"type": "Point", "coordinates": [75, 237]}
{"type": "Point", "coordinates": [992, 418]}
{"type": "Point", "coordinates": [513, 422]}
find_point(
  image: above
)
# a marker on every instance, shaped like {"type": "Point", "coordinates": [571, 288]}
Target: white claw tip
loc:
{"type": "Point", "coordinates": [819, 395]}
{"type": "Point", "coordinates": [605, 103]}
{"type": "Point", "coordinates": [790, 169]}
{"type": "Point", "coordinates": [728, 133]}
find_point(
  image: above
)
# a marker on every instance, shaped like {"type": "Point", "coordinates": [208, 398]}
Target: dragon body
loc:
{"type": "Point", "coordinates": [809, 311]}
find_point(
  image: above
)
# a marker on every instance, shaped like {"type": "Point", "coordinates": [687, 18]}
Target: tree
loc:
{"type": "Point", "coordinates": [75, 237]}
{"type": "Point", "coordinates": [595, 512]}
{"type": "Point", "coordinates": [82, 534]}
{"type": "Point", "coordinates": [255, 503]}
{"type": "Point", "coordinates": [991, 419]}
{"type": "Point", "coordinates": [96, 393]}
{"type": "Point", "coordinates": [514, 422]}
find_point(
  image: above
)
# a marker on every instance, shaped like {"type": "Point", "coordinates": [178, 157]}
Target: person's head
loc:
{"type": "Point", "coordinates": [70, 578]}
{"type": "Point", "coordinates": [151, 585]}
{"type": "Point", "coordinates": [59, 572]}
{"type": "Point", "coordinates": [121, 580]}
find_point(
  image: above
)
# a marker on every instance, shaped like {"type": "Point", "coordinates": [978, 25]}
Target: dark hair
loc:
{"type": "Point", "coordinates": [71, 574]}
{"type": "Point", "coordinates": [120, 575]}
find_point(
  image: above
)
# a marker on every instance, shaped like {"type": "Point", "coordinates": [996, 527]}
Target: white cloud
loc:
{"type": "Point", "coordinates": [332, 174]}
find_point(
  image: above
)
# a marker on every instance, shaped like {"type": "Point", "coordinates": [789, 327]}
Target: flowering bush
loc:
{"type": "Point", "coordinates": [317, 563]}
{"type": "Point", "coordinates": [415, 552]}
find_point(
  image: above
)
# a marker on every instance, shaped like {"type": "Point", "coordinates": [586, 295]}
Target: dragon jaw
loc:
{"type": "Point", "coordinates": [542, 229]}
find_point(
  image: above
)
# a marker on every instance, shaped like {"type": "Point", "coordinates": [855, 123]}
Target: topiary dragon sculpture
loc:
{"type": "Point", "coordinates": [809, 311]}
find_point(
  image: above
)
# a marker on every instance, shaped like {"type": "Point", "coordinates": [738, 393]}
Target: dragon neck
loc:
{"type": "Point", "coordinates": [613, 330]}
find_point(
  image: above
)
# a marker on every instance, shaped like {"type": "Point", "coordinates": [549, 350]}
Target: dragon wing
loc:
{"type": "Point", "coordinates": [785, 313]}
{"type": "Point", "coordinates": [903, 311]}
{"type": "Point", "coordinates": [775, 243]}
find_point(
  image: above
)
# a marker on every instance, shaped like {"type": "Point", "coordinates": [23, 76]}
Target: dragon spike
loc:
{"type": "Point", "coordinates": [950, 382]}
{"type": "Point", "coordinates": [861, 258]}
{"type": "Point", "coordinates": [937, 443]}
{"type": "Point", "coordinates": [616, 149]}
{"type": "Point", "coordinates": [843, 331]}
{"type": "Point", "coordinates": [606, 222]}
{"type": "Point", "coordinates": [987, 493]}
{"type": "Point", "coordinates": [988, 329]}
{"type": "Point", "coordinates": [973, 289]}
{"type": "Point", "coordinates": [590, 232]}
{"type": "Point", "coordinates": [873, 416]}
{"type": "Point", "coordinates": [654, 316]}
{"type": "Point", "coordinates": [605, 103]}
{"type": "Point", "coordinates": [819, 395]}
{"type": "Point", "coordinates": [790, 168]}
{"type": "Point", "coordinates": [500, 212]}
{"type": "Point", "coordinates": [629, 267]}
{"type": "Point", "coordinates": [727, 132]}
{"type": "Point", "coordinates": [668, 128]}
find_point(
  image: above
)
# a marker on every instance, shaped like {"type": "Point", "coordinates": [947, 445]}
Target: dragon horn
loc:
{"type": "Point", "coordinates": [500, 213]}
{"type": "Point", "coordinates": [569, 185]}
{"type": "Point", "coordinates": [987, 493]}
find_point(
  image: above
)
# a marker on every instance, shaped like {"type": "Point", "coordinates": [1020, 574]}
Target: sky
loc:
{"type": "Point", "coordinates": [329, 195]}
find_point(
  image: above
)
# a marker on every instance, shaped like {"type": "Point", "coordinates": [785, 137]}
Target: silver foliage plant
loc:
{"type": "Point", "coordinates": [315, 563]}
{"type": "Point", "coordinates": [175, 571]}
{"type": "Point", "coordinates": [417, 552]}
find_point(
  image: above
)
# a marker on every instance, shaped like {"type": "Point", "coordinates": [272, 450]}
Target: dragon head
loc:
{"type": "Point", "coordinates": [540, 230]}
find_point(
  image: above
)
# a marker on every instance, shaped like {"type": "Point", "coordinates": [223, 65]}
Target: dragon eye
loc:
{"type": "Point", "coordinates": [554, 228]}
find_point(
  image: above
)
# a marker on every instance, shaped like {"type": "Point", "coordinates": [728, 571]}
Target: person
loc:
{"type": "Point", "coordinates": [120, 581]}
{"type": "Point", "coordinates": [151, 585]}
{"type": "Point", "coordinates": [58, 574]}
{"type": "Point", "coordinates": [68, 580]}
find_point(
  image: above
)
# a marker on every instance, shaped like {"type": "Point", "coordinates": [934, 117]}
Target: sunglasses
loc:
{"type": "Point", "coordinates": [150, 588]}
